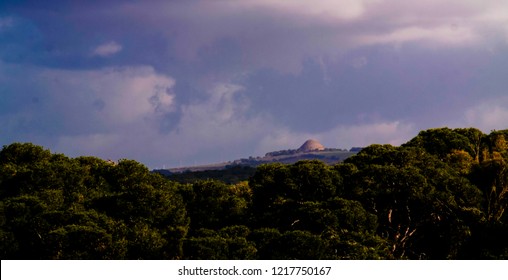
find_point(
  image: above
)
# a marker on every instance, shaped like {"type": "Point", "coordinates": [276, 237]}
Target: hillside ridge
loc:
{"type": "Point", "coordinates": [310, 150]}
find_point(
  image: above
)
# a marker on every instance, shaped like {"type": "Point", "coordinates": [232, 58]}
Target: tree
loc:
{"type": "Point", "coordinates": [271, 188]}
{"type": "Point", "coordinates": [229, 243]}
{"type": "Point", "coordinates": [345, 245]}
{"type": "Point", "coordinates": [414, 195]}
{"type": "Point", "coordinates": [299, 245]}
{"type": "Point", "coordinates": [491, 176]}
{"type": "Point", "coordinates": [265, 240]}
{"type": "Point", "coordinates": [84, 235]}
{"type": "Point", "coordinates": [150, 206]}
{"type": "Point", "coordinates": [213, 204]}
{"type": "Point", "coordinates": [27, 168]}
{"type": "Point", "coordinates": [23, 227]}
{"type": "Point", "coordinates": [441, 141]}
{"type": "Point", "coordinates": [313, 180]}
{"type": "Point", "coordinates": [476, 139]}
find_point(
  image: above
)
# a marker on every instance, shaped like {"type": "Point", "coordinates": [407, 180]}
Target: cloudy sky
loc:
{"type": "Point", "coordinates": [172, 83]}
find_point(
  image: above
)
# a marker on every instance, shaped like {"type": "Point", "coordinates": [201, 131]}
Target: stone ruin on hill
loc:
{"type": "Point", "coordinates": [311, 145]}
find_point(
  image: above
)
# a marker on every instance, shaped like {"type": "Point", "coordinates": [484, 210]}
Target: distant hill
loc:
{"type": "Point", "coordinates": [310, 150]}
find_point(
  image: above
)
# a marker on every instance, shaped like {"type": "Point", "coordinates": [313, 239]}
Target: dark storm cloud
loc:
{"type": "Point", "coordinates": [170, 82]}
{"type": "Point", "coordinates": [395, 84]}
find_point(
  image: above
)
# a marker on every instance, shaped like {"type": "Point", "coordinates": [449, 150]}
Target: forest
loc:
{"type": "Point", "coordinates": [441, 195]}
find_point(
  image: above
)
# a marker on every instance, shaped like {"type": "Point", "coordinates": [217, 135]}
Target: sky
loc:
{"type": "Point", "coordinates": [178, 83]}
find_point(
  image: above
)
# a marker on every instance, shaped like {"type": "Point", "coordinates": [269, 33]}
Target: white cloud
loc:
{"type": "Point", "coordinates": [215, 127]}
{"type": "Point", "coordinates": [435, 23]}
{"type": "Point", "coordinates": [218, 125]}
{"type": "Point", "coordinates": [107, 49]}
{"type": "Point", "coordinates": [110, 112]}
{"type": "Point", "coordinates": [337, 9]}
{"type": "Point", "coordinates": [281, 34]}
{"type": "Point", "coordinates": [341, 136]}
{"type": "Point", "coordinates": [117, 113]}
{"type": "Point", "coordinates": [284, 33]}
{"type": "Point", "coordinates": [489, 115]}
{"type": "Point", "coordinates": [445, 35]}
{"type": "Point", "coordinates": [382, 132]}
{"type": "Point", "coordinates": [112, 96]}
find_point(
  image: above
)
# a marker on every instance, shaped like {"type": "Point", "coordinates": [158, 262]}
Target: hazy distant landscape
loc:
{"type": "Point", "coordinates": [241, 169]}
{"type": "Point", "coordinates": [327, 155]}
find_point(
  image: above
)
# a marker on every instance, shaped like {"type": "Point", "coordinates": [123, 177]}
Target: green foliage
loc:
{"type": "Point", "coordinates": [441, 141]}
{"type": "Point", "coordinates": [313, 180]}
{"type": "Point", "coordinates": [415, 195]}
{"type": "Point", "coordinates": [347, 245]}
{"type": "Point", "coordinates": [265, 240]}
{"type": "Point", "coordinates": [54, 207]}
{"type": "Point", "coordinates": [214, 204]}
{"type": "Point", "coordinates": [227, 243]}
{"type": "Point", "coordinates": [299, 245]}
{"type": "Point", "coordinates": [442, 195]}
{"type": "Point", "coordinates": [84, 235]}
{"type": "Point", "coordinates": [230, 175]}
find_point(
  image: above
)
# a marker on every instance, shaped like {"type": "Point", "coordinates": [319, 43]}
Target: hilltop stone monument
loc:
{"type": "Point", "coordinates": [310, 145]}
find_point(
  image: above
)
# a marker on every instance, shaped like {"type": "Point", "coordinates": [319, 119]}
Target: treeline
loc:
{"type": "Point", "coordinates": [294, 152]}
{"type": "Point", "coordinates": [442, 195]}
{"type": "Point", "coordinates": [232, 174]}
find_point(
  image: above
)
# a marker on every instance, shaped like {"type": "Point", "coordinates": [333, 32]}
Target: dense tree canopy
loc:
{"type": "Point", "coordinates": [442, 195]}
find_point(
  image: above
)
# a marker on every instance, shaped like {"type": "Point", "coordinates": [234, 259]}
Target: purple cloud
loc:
{"type": "Point", "coordinates": [184, 82]}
